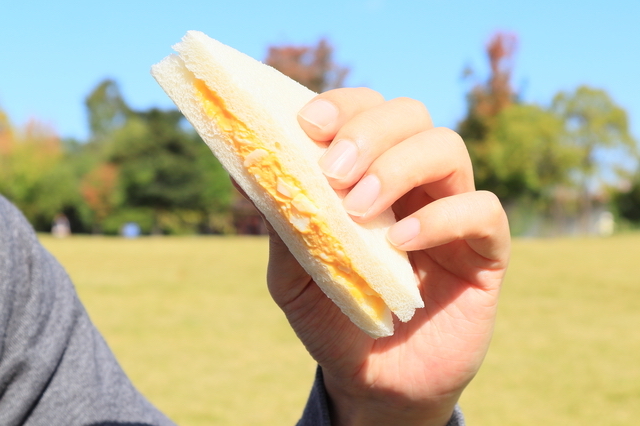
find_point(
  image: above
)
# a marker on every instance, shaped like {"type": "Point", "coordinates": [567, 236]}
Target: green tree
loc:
{"type": "Point", "coordinates": [32, 172]}
{"type": "Point", "coordinates": [517, 149]}
{"type": "Point", "coordinates": [521, 155]}
{"type": "Point", "coordinates": [598, 129]}
{"type": "Point", "coordinates": [107, 109]}
{"type": "Point", "coordinates": [627, 203]}
{"type": "Point", "coordinates": [150, 167]}
{"type": "Point", "coordinates": [168, 170]}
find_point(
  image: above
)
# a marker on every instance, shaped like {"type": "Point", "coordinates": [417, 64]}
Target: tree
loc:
{"type": "Point", "coordinates": [627, 203]}
{"type": "Point", "coordinates": [32, 172]}
{"type": "Point", "coordinates": [487, 99]}
{"type": "Point", "coordinates": [6, 136]}
{"type": "Point", "coordinates": [598, 129]}
{"type": "Point", "coordinates": [522, 155]}
{"type": "Point", "coordinates": [549, 159]}
{"type": "Point", "coordinates": [311, 66]}
{"type": "Point", "coordinates": [99, 190]}
{"type": "Point", "coordinates": [150, 167]}
{"type": "Point", "coordinates": [107, 109]}
{"type": "Point", "coordinates": [167, 169]}
{"type": "Point", "coordinates": [515, 148]}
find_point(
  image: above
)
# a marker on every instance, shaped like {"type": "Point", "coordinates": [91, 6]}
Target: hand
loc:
{"type": "Point", "coordinates": [389, 154]}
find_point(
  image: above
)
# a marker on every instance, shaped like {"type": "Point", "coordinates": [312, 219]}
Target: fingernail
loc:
{"type": "Point", "coordinates": [362, 196]}
{"type": "Point", "coordinates": [404, 231]}
{"type": "Point", "coordinates": [339, 159]}
{"type": "Point", "coordinates": [319, 113]}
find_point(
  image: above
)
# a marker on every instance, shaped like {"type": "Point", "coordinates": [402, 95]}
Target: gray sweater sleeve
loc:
{"type": "Point", "coordinates": [55, 368]}
{"type": "Point", "coordinates": [316, 412]}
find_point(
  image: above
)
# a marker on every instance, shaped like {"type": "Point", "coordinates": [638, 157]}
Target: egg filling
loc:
{"type": "Point", "coordinates": [291, 198]}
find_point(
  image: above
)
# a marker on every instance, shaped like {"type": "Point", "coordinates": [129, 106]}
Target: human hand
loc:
{"type": "Point", "coordinates": [458, 241]}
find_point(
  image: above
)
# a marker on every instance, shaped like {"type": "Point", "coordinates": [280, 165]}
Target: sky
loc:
{"type": "Point", "coordinates": [53, 53]}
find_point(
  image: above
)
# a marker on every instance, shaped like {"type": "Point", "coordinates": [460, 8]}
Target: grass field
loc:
{"type": "Point", "coordinates": [193, 325]}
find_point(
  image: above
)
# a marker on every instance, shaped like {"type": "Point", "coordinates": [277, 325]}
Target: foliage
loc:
{"type": "Point", "coordinates": [32, 172]}
{"type": "Point", "coordinates": [165, 168]}
{"type": "Point", "coordinates": [153, 168]}
{"type": "Point", "coordinates": [150, 167]}
{"type": "Point", "coordinates": [517, 149]}
{"type": "Point", "coordinates": [596, 126]}
{"type": "Point", "coordinates": [311, 66]}
{"type": "Point", "coordinates": [627, 203]}
{"type": "Point", "coordinates": [98, 189]}
{"type": "Point", "coordinates": [521, 154]}
{"type": "Point", "coordinates": [107, 109]}
{"type": "Point", "coordinates": [146, 166]}
{"type": "Point", "coordinates": [559, 158]}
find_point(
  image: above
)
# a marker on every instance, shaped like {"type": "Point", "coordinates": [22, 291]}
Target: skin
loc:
{"type": "Point", "coordinates": [458, 241]}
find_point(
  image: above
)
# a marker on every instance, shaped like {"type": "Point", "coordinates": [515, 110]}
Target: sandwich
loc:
{"type": "Point", "coordinates": [246, 112]}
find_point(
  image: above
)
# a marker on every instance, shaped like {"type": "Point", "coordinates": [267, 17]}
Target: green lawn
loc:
{"type": "Point", "coordinates": [567, 345]}
{"type": "Point", "coordinates": [192, 323]}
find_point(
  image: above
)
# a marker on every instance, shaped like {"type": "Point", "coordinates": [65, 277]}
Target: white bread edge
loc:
{"type": "Point", "coordinates": [268, 102]}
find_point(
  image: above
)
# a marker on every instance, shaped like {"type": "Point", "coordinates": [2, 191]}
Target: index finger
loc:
{"type": "Point", "coordinates": [325, 114]}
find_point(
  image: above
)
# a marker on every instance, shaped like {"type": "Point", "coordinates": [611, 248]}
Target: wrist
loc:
{"type": "Point", "coordinates": [381, 407]}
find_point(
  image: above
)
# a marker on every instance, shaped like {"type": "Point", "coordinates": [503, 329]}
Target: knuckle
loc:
{"type": "Point", "coordinates": [492, 200]}
{"type": "Point", "coordinates": [361, 95]}
{"type": "Point", "coordinates": [455, 141]}
{"type": "Point", "coordinates": [452, 138]}
{"type": "Point", "coordinates": [370, 93]}
{"type": "Point", "coordinates": [493, 206]}
{"type": "Point", "coordinates": [414, 108]}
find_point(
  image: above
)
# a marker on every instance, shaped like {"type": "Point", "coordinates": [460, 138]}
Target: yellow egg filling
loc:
{"type": "Point", "coordinates": [294, 203]}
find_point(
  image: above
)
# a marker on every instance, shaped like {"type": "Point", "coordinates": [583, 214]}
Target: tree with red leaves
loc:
{"type": "Point", "coordinates": [311, 66]}
{"type": "Point", "coordinates": [486, 100]}
{"type": "Point", "coordinates": [516, 149]}
{"type": "Point", "coordinates": [98, 188]}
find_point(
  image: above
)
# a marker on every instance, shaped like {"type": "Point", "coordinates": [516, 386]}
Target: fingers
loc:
{"type": "Point", "coordinates": [477, 217]}
{"type": "Point", "coordinates": [328, 112]}
{"type": "Point", "coordinates": [363, 127]}
{"type": "Point", "coordinates": [435, 160]}
{"type": "Point", "coordinates": [387, 154]}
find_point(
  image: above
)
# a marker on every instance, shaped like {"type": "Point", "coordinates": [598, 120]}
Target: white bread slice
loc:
{"type": "Point", "coordinates": [209, 81]}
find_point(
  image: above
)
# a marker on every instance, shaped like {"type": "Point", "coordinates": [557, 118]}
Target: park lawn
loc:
{"type": "Point", "coordinates": [566, 350]}
{"type": "Point", "coordinates": [192, 323]}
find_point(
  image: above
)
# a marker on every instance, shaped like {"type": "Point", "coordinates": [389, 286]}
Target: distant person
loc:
{"type": "Point", "coordinates": [60, 227]}
{"type": "Point", "coordinates": [605, 224]}
{"type": "Point", "coordinates": [55, 368]}
{"type": "Point", "coordinates": [130, 230]}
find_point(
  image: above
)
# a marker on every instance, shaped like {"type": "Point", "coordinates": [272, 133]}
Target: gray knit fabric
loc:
{"type": "Point", "coordinates": [316, 413]}
{"type": "Point", "coordinates": [55, 368]}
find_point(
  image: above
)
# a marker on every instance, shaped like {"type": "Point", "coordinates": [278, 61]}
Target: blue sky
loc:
{"type": "Point", "coordinates": [52, 54]}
